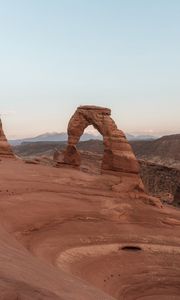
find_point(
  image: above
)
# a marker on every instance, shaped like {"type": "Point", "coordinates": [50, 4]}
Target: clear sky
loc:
{"type": "Point", "coordinates": [58, 54]}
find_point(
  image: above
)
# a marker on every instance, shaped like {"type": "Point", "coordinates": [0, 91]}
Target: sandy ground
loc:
{"type": "Point", "coordinates": [64, 234]}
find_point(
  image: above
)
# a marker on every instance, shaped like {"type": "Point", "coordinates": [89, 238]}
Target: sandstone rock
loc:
{"type": "Point", "coordinates": [5, 148]}
{"type": "Point", "coordinates": [72, 156]}
{"type": "Point", "coordinates": [118, 155]}
{"type": "Point", "coordinates": [129, 184]}
{"type": "Point", "coordinates": [58, 226]}
{"type": "Point", "coordinates": [56, 155]}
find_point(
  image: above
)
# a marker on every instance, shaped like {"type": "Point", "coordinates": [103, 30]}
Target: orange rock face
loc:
{"type": "Point", "coordinates": [118, 154]}
{"type": "Point", "coordinates": [5, 148]}
{"type": "Point", "coordinates": [67, 235]}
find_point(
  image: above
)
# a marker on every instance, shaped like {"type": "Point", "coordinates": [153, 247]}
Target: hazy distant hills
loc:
{"type": "Point", "coordinates": [61, 137]}
{"type": "Point", "coordinates": [53, 137]}
{"type": "Point", "coordinates": [47, 148]}
{"type": "Point", "coordinates": [165, 150]}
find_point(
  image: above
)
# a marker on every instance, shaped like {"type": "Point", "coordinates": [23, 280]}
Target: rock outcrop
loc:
{"type": "Point", "coordinates": [163, 151]}
{"type": "Point", "coordinates": [161, 181]}
{"type": "Point", "coordinates": [5, 148]}
{"type": "Point", "coordinates": [118, 154]}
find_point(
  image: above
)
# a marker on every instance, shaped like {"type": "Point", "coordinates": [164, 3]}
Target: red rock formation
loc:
{"type": "Point", "coordinates": [5, 148]}
{"type": "Point", "coordinates": [58, 226]}
{"type": "Point", "coordinates": [72, 156]}
{"type": "Point", "coordinates": [56, 155]}
{"type": "Point", "coordinates": [118, 155]}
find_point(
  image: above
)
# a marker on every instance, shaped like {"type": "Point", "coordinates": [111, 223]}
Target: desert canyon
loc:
{"type": "Point", "coordinates": [71, 232]}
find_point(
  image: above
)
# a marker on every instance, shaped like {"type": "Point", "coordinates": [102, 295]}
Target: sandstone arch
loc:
{"type": "Point", "coordinates": [118, 154]}
{"type": "Point", "coordinates": [5, 148]}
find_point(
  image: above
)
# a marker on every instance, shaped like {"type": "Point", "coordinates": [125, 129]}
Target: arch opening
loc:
{"type": "Point", "coordinates": [91, 133]}
{"type": "Point", "coordinates": [91, 149]}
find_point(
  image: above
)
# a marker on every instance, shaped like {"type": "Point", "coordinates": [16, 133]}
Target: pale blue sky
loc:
{"type": "Point", "coordinates": [56, 55]}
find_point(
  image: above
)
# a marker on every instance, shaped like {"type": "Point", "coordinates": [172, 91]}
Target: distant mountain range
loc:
{"type": "Point", "coordinates": [61, 137]}
{"type": "Point", "coordinates": [53, 137]}
{"type": "Point", "coordinates": [163, 151]}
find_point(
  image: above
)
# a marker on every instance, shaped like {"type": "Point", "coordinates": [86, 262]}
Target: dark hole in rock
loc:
{"type": "Point", "coordinates": [131, 248]}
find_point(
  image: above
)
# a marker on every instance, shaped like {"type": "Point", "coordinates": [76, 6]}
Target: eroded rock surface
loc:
{"type": "Point", "coordinates": [66, 235]}
{"type": "Point", "coordinates": [118, 155]}
{"type": "Point", "coordinates": [5, 148]}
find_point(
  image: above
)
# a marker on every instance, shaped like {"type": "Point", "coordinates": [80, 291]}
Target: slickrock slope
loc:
{"type": "Point", "coordinates": [28, 207]}
{"type": "Point", "coordinates": [5, 148]}
{"type": "Point", "coordinates": [25, 277]}
{"type": "Point", "coordinates": [66, 234]}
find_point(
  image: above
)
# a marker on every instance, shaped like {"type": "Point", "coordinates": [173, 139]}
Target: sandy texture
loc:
{"type": "Point", "coordinates": [66, 234]}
